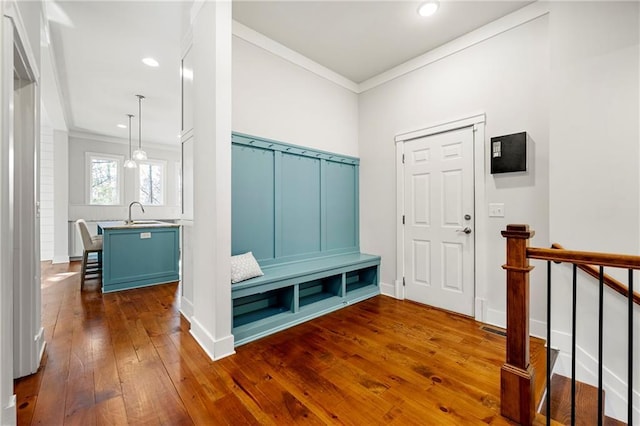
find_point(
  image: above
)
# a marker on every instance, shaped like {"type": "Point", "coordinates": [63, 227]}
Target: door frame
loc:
{"type": "Point", "coordinates": [476, 121]}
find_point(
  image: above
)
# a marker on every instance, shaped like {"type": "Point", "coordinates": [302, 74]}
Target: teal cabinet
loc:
{"type": "Point", "coordinates": [139, 255]}
{"type": "Point", "coordinates": [297, 210]}
{"type": "Point", "coordinates": [291, 293]}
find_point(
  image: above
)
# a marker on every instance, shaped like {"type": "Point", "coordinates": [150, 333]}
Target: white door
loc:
{"type": "Point", "coordinates": [439, 220]}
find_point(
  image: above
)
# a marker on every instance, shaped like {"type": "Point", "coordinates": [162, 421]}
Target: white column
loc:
{"type": "Point", "coordinates": [211, 321]}
{"type": "Point", "coordinates": [7, 398]}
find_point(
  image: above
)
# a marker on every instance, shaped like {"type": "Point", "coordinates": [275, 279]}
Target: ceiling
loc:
{"type": "Point", "coordinates": [99, 45]}
{"type": "Point", "coordinates": [361, 39]}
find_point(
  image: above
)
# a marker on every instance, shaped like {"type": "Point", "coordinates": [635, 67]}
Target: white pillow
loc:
{"type": "Point", "coordinates": [243, 267]}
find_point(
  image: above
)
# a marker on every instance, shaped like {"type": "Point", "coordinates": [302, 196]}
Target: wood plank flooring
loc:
{"type": "Point", "coordinates": [128, 358]}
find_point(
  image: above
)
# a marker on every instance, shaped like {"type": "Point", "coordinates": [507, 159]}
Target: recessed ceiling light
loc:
{"type": "Point", "coordinates": [428, 8]}
{"type": "Point", "coordinates": [122, 126]}
{"type": "Point", "coordinates": [151, 62]}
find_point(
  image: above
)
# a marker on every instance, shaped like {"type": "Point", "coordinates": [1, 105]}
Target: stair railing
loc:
{"type": "Point", "coordinates": [517, 376]}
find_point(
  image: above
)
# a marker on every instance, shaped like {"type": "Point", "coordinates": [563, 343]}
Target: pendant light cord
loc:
{"type": "Point", "coordinates": [130, 116]}
{"type": "Point", "coordinates": [140, 98]}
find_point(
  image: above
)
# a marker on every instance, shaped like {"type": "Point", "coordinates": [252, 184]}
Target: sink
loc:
{"type": "Point", "coordinates": [145, 222]}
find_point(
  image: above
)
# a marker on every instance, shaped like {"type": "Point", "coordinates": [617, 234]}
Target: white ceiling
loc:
{"type": "Point", "coordinates": [99, 46]}
{"type": "Point", "coordinates": [361, 39]}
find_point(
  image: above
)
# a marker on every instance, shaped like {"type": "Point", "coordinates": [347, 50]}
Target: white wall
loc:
{"type": "Point", "coordinates": [61, 200]}
{"type": "Point", "coordinates": [78, 205]}
{"type": "Point", "coordinates": [594, 174]}
{"type": "Point", "coordinates": [505, 77]}
{"type": "Point", "coordinates": [46, 190]}
{"type": "Point", "coordinates": [276, 99]}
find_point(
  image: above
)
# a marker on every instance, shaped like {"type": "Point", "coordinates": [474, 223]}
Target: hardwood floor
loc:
{"type": "Point", "coordinates": [128, 358]}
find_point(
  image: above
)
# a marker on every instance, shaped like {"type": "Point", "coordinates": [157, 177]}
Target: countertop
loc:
{"type": "Point", "coordinates": [137, 224]}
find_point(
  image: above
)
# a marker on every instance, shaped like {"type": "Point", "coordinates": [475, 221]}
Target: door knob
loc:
{"type": "Point", "coordinates": [466, 230]}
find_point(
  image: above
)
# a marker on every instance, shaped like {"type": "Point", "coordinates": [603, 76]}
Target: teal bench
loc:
{"type": "Point", "coordinates": [290, 293]}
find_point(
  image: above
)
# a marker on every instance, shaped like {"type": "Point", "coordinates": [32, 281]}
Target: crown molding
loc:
{"type": "Point", "coordinates": [86, 135]}
{"type": "Point", "coordinates": [497, 27]}
{"type": "Point", "coordinates": [257, 39]}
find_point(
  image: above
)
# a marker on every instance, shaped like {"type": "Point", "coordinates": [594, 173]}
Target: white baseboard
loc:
{"type": "Point", "coordinates": [40, 343]}
{"type": "Point", "coordinates": [497, 318]}
{"type": "Point", "coordinates": [215, 349]}
{"type": "Point", "coordinates": [60, 259]}
{"type": "Point", "coordinates": [387, 289]}
{"type": "Point", "coordinates": [186, 308]}
{"type": "Point", "coordinates": [538, 328]}
{"type": "Point", "coordinates": [480, 309]}
{"type": "Point", "coordinates": [8, 416]}
{"type": "Point", "coordinates": [586, 372]}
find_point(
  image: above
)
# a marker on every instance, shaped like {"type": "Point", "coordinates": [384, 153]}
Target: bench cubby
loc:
{"type": "Point", "coordinates": [360, 280]}
{"type": "Point", "coordinates": [289, 294]}
{"type": "Point", "coordinates": [318, 290]}
{"type": "Point", "coordinates": [256, 307]}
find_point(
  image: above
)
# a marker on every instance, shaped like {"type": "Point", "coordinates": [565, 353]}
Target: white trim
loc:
{"type": "Point", "coordinates": [13, 12]}
{"type": "Point", "coordinates": [60, 259]}
{"type": "Point", "coordinates": [499, 26]}
{"type": "Point", "coordinates": [441, 127]}
{"type": "Point", "coordinates": [480, 309]}
{"type": "Point", "coordinates": [195, 10]}
{"type": "Point", "coordinates": [497, 318]}
{"type": "Point", "coordinates": [271, 46]}
{"type": "Point", "coordinates": [399, 226]}
{"type": "Point", "coordinates": [615, 387]}
{"type": "Point", "coordinates": [88, 156]}
{"type": "Point", "coordinates": [387, 289]}
{"type": "Point", "coordinates": [79, 134]}
{"type": "Point", "coordinates": [7, 398]}
{"type": "Point", "coordinates": [153, 162]}
{"type": "Point", "coordinates": [215, 349]}
{"type": "Point", "coordinates": [476, 121]}
{"type": "Point", "coordinates": [186, 308]}
{"type": "Point", "coordinates": [9, 411]}
{"type": "Point", "coordinates": [490, 30]}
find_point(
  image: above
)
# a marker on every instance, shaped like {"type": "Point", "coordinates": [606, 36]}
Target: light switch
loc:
{"type": "Point", "coordinates": [145, 235]}
{"type": "Point", "coordinates": [496, 209]}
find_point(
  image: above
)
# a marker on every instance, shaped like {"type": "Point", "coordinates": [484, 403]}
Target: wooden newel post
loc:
{"type": "Point", "coordinates": [517, 375]}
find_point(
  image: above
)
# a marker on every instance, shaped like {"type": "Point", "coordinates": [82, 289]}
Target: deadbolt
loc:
{"type": "Point", "coordinates": [467, 217]}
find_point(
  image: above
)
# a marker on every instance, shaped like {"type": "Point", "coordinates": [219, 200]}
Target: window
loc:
{"type": "Point", "coordinates": [104, 178]}
{"type": "Point", "coordinates": [151, 182]}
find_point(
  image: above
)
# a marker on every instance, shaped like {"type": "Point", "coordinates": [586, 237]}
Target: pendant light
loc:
{"type": "Point", "coordinates": [139, 154]}
{"type": "Point", "coordinates": [130, 164]}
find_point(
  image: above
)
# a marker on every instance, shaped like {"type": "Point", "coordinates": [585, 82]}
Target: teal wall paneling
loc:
{"type": "Point", "coordinates": [341, 205]}
{"type": "Point", "coordinates": [300, 208]}
{"type": "Point", "coordinates": [290, 202]}
{"type": "Point", "coordinates": [252, 201]}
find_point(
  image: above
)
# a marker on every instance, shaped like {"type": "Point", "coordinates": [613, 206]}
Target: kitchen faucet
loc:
{"type": "Point", "coordinates": [129, 222]}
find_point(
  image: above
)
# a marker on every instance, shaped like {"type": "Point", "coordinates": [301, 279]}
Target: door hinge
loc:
{"type": "Point", "coordinates": [404, 283]}
{"type": "Point", "coordinates": [403, 219]}
{"type": "Point", "coordinates": [402, 158]}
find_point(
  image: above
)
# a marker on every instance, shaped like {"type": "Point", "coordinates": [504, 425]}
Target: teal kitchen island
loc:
{"type": "Point", "coordinates": [139, 254]}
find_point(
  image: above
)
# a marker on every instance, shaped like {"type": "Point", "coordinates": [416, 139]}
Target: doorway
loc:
{"type": "Point", "coordinates": [19, 225]}
{"type": "Point", "coordinates": [437, 198]}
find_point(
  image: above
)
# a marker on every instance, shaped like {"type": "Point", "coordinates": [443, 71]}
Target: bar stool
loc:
{"type": "Point", "coordinates": [93, 268]}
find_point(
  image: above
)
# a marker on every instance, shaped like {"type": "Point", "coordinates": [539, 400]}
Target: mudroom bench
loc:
{"type": "Point", "coordinates": [291, 293]}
